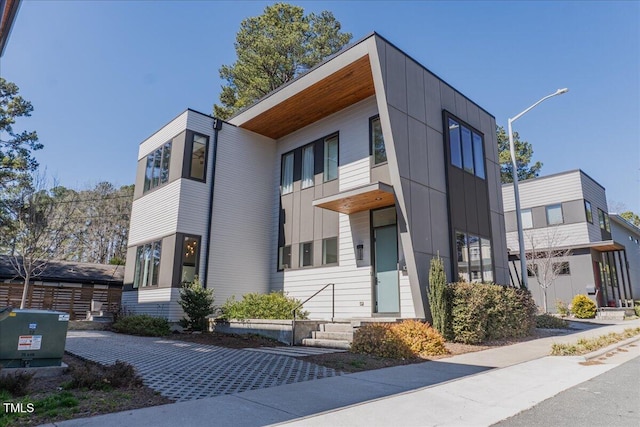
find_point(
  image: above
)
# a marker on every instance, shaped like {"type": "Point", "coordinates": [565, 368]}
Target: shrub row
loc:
{"type": "Point", "coordinates": [276, 305]}
{"type": "Point", "coordinates": [94, 377]}
{"type": "Point", "coordinates": [142, 324]}
{"type": "Point", "coordinates": [405, 340]}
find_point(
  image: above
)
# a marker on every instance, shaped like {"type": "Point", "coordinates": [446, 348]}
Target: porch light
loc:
{"type": "Point", "coordinates": [360, 252]}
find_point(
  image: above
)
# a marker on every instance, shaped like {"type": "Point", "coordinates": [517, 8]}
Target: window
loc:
{"type": "Point", "coordinates": [588, 212]}
{"type": "Point", "coordinates": [330, 158]}
{"type": "Point", "coordinates": [157, 170]}
{"type": "Point", "coordinates": [527, 218]}
{"type": "Point", "coordinates": [377, 142]}
{"type": "Point", "coordinates": [198, 157]}
{"type": "Point", "coordinates": [561, 268]}
{"type": "Point", "coordinates": [454, 143]}
{"type": "Point", "coordinates": [306, 254]}
{"type": "Point", "coordinates": [606, 222]}
{"type": "Point", "coordinates": [554, 214]}
{"type": "Point", "coordinates": [284, 257]}
{"type": "Point", "coordinates": [532, 270]}
{"type": "Point", "coordinates": [190, 258]}
{"type": "Point", "coordinates": [286, 179]}
{"type": "Point", "coordinates": [601, 218]}
{"type": "Point", "coordinates": [147, 267]}
{"type": "Point", "coordinates": [478, 155]}
{"type": "Point", "coordinates": [466, 148]}
{"type": "Point", "coordinates": [475, 263]}
{"type": "Point", "coordinates": [330, 251]}
{"type": "Point", "coordinates": [307, 166]}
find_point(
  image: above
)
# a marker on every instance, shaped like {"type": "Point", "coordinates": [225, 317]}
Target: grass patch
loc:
{"type": "Point", "coordinates": [587, 345]}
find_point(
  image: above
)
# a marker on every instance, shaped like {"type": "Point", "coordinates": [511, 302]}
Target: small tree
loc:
{"type": "Point", "coordinates": [197, 304]}
{"type": "Point", "coordinates": [438, 297]}
{"type": "Point", "coordinates": [546, 258]}
{"type": "Point", "coordinates": [524, 152]}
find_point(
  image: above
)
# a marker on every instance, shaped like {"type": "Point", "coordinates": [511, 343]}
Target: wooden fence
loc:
{"type": "Point", "coordinates": [72, 300]}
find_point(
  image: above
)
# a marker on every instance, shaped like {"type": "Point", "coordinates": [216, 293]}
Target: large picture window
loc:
{"type": "Point", "coordinates": [466, 148]}
{"type": "Point", "coordinates": [147, 269]}
{"type": "Point", "coordinates": [474, 258]}
{"type": "Point", "coordinates": [157, 170]}
{"type": "Point", "coordinates": [330, 158]}
{"type": "Point", "coordinates": [198, 166]}
{"type": "Point", "coordinates": [190, 258]}
{"type": "Point", "coordinates": [377, 142]}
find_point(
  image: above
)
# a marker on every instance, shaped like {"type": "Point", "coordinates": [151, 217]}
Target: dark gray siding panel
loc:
{"type": "Point", "coordinates": [573, 212]}
{"type": "Point", "coordinates": [539, 215]}
{"type": "Point", "coordinates": [418, 162]}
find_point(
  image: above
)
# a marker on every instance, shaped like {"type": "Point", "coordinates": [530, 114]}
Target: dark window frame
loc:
{"type": "Point", "coordinates": [372, 151]}
{"type": "Point", "coordinates": [337, 261]}
{"type": "Point", "coordinates": [324, 140]}
{"type": "Point", "coordinates": [467, 237]}
{"type": "Point", "coordinates": [312, 147]}
{"type": "Point", "coordinates": [152, 182]}
{"type": "Point", "coordinates": [475, 161]}
{"type": "Point", "coordinates": [188, 172]}
{"type": "Point", "coordinates": [182, 244]}
{"type": "Point", "coordinates": [588, 210]}
{"type": "Point", "coordinates": [563, 270]}
{"type": "Point", "coordinates": [281, 264]}
{"type": "Point", "coordinates": [301, 254]}
{"type": "Point", "coordinates": [140, 253]}
{"type": "Point", "coordinates": [546, 212]}
{"type": "Point", "coordinates": [293, 169]}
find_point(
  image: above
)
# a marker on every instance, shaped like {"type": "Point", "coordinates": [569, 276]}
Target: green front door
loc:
{"type": "Point", "coordinates": [387, 292]}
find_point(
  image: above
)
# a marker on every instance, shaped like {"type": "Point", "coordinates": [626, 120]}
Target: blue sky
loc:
{"type": "Point", "coordinates": [103, 76]}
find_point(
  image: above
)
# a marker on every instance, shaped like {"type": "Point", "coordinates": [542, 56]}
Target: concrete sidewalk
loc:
{"type": "Point", "coordinates": [475, 389]}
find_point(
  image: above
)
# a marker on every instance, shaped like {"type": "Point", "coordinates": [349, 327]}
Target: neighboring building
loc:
{"type": "Point", "coordinates": [356, 173]}
{"type": "Point", "coordinates": [64, 286]}
{"type": "Point", "coordinates": [623, 231]}
{"type": "Point", "coordinates": [568, 210]}
{"type": "Point", "coordinates": [8, 12]}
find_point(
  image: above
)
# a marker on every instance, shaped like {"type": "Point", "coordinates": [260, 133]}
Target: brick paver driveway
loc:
{"type": "Point", "coordinates": [187, 371]}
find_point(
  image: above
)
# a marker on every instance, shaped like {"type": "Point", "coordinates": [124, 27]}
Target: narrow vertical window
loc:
{"type": "Point", "coordinates": [146, 265]}
{"type": "Point", "coordinates": [190, 257]}
{"type": "Point", "coordinates": [454, 143]}
{"type": "Point", "coordinates": [198, 157]}
{"type": "Point", "coordinates": [286, 183]}
{"type": "Point", "coordinates": [306, 254]}
{"type": "Point", "coordinates": [554, 214]}
{"type": "Point", "coordinates": [606, 222]}
{"type": "Point", "coordinates": [588, 211]}
{"type": "Point", "coordinates": [155, 261]}
{"type": "Point", "coordinates": [467, 149]}
{"type": "Point", "coordinates": [157, 163]}
{"type": "Point", "coordinates": [307, 166]}
{"type": "Point", "coordinates": [475, 266]}
{"type": "Point", "coordinates": [137, 275]}
{"type": "Point", "coordinates": [330, 159]}
{"type": "Point", "coordinates": [377, 142]}
{"type": "Point", "coordinates": [487, 260]}
{"type": "Point", "coordinates": [148, 173]}
{"type": "Point", "coordinates": [284, 257]}
{"type": "Point", "coordinates": [330, 250]}
{"type": "Point", "coordinates": [601, 218]}
{"type": "Point", "coordinates": [463, 257]}
{"type": "Point", "coordinates": [166, 161]}
{"type": "Point", "coordinates": [478, 155]}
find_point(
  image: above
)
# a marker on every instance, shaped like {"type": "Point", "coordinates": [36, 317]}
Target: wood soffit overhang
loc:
{"type": "Point", "coordinates": [345, 87]}
{"type": "Point", "coordinates": [372, 196]}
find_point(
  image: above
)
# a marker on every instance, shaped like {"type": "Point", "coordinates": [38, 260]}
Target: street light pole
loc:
{"type": "Point", "coordinates": [516, 194]}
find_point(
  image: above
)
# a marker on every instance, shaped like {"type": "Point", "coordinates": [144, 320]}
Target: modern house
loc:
{"type": "Point", "coordinates": [356, 173]}
{"type": "Point", "coordinates": [566, 215]}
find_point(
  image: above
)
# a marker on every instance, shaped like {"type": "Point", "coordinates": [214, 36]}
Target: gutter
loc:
{"type": "Point", "coordinates": [217, 125]}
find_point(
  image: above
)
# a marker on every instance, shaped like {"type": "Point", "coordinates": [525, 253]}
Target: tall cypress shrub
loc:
{"type": "Point", "coordinates": [439, 298]}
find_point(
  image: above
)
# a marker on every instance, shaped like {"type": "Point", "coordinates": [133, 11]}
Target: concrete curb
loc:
{"type": "Point", "coordinates": [609, 348]}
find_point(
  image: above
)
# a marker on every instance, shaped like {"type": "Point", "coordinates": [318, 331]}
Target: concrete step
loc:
{"type": "Point", "coordinates": [312, 342]}
{"type": "Point", "coordinates": [339, 336]}
{"type": "Point", "coordinates": [336, 327]}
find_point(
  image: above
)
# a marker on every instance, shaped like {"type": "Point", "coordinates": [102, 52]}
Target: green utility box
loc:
{"type": "Point", "coordinates": [32, 338]}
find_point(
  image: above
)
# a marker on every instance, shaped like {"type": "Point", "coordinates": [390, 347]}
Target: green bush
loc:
{"type": "Point", "coordinates": [95, 377]}
{"type": "Point", "coordinates": [17, 384]}
{"type": "Point", "coordinates": [404, 340]}
{"type": "Point", "coordinates": [197, 304]}
{"type": "Point", "coordinates": [636, 308]}
{"type": "Point", "coordinates": [547, 321]}
{"type": "Point", "coordinates": [485, 312]}
{"type": "Point", "coordinates": [142, 324]}
{"type": "Point", "coordinates": [583, 308]}
{"type": "Point", "coordinates": [276, 305]}
{"type": "Point", "coordinates": [439, 298]}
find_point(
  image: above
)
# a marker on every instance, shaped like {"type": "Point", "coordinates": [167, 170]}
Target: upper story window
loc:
{"type": "Point", "coordinates": [603, 219]}
{"type": "Point", "coordinates": [526, 218]}
{"type": "Point", "coordinates": [377, 141]}
{"type": "Point", "coordinates": [147, 267]}
{"type": "Point", "coordinates": [466, 148]}
{"type": "Point", "coordinates": [330, 158]}
{"type": "Point", "coordinates": [588, 211]}
{"type": "Point", "coordinates": [198, 164]}
{"type": "Point", "coordinates": [307, 166]}
{"type": "Point", "coordinates": [286, 177]}
{"type": "Point", "coordinates": [554, 214]}
{"type": "Point", "coordinates": [157, 170]}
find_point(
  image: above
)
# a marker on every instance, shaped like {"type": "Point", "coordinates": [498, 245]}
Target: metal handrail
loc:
{"type": "Point", "coordinates": [333, 308]}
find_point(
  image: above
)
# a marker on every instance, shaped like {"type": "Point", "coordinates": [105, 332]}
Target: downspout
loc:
{"type": "Point", "coordinates": [217, 125]}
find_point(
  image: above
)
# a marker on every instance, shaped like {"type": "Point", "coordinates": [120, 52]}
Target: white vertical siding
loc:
{"type": "Point", "coordinates": [170, 130]}
{"type": "Point", "coordinates": [241, 240]}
